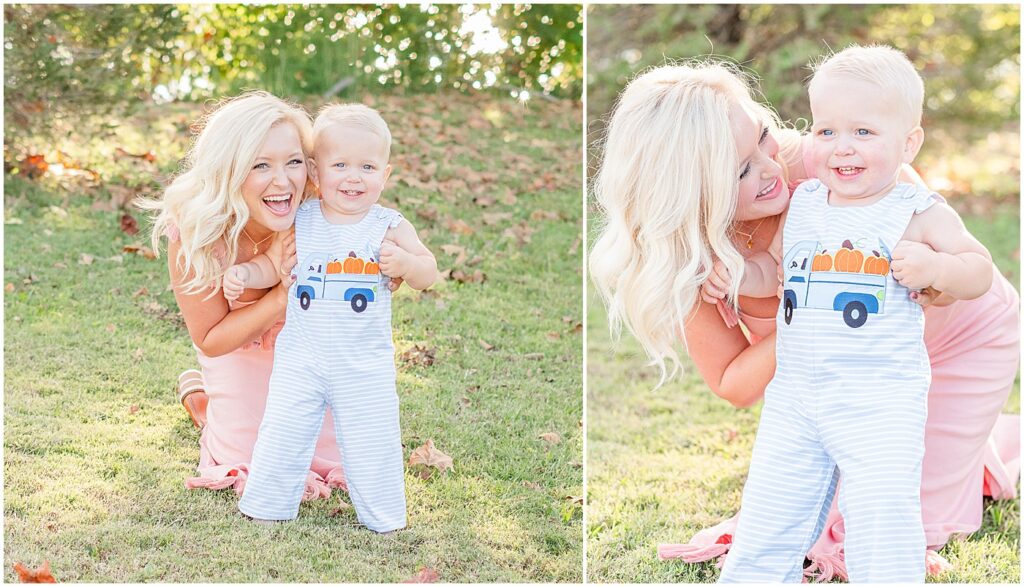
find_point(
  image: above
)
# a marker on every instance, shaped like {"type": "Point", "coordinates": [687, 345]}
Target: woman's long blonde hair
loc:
{"type": "Point", "coordinates": [667, 186]}
{"type": "Point", "coordinates": [204, 202]}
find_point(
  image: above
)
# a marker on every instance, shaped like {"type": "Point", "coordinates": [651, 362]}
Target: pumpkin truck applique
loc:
{"type": "Point", "coordinates": [325, 277]}
{"type": "Point", "coordinates": [851, 281]}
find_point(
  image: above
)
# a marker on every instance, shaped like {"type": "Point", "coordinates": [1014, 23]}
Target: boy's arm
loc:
{"type": "Point", "coordinates": [262, 272]}
{"type": "Point", "coordinates": [403, 255]}
{"type": "Point", "coordinates": [938, 251]}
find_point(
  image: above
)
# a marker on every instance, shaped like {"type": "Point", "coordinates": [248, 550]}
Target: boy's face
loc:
{"type": "Point", "coordinates": [860, 138]}
{"type": "Point", "coordinates": [351, 170]}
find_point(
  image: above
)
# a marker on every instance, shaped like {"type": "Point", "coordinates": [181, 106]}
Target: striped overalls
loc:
{"type": "Point", "coordinates": [849, 396]}
{"type": "Point", "coordinates": [335, 351]}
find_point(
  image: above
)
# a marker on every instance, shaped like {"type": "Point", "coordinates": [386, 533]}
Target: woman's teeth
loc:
{"type": "Point", "coordinates": [278, 204]}
{"type": "Point", "coordinates": [768, 189]}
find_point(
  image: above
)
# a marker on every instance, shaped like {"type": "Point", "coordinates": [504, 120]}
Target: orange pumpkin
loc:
{"type": "Point", "coordinates": [847, 259]}
{"type": "Point", "coordinates": [371, 267]}
{"type": "Point", "coordinates": [876, 264]}
{"type": "Point", "coordinates": [822, 262]}
{"type": "Point", "coordinates": [353, 264]}
{"type": "Point", "coordinates": [334, 267]}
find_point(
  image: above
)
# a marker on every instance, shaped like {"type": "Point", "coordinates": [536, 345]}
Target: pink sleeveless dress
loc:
{"type": "Point", "coordinates": [971, 449]}
{"type": "Point", "coordinates": [237, 384]}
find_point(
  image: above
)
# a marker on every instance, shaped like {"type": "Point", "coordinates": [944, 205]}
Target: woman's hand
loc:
{"type": "Point", "coordinates": [717, 285]}
{"type": "Point", "coordinates": [282, 253]}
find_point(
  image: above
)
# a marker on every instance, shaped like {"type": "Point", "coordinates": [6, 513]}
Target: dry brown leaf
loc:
{"type": "Point", "coordinates": [111, 328]}
{"type": "Point", "coordinates": [486, 345]}
{"type": "Point", "coordinates": [138, 249]}
{"type": "Point", "coordinates": [553, 336]}
{"type": "Point", "coordinates": [424, 575]}
{"type": "Point", "coordinates": [85, 259]}
{"type": "Point", "coordinates": [428, 214]}
{"type": "Point", "coordinates": [574, 499]}
{"type": "Point", "coordinates": [9, 288]}
{"type": "Point", "coordinates": [476, 260]}
{"type": "Point", "coordinates": [39, 575]}
{"type": "Point", "coordinates": [731, 434]}
{"type": "Point", "coordinates": [520, 232]}
{"type": "Point", "coordinates": [428, 456]}
{"type": "Point", "coordinates": [484, 201]}
{"type": "Point", "coordinates": [532, 485]}
{"type": "Point", "coordinates": [458, 251]}
{"type": "Point", "coordinates": [533, 356]}
{"type": "Point", "coordinates": [551, 437]}
{"type": "Point", "coordinates": [493, 218]}
{"type": "Point", "coordinates": [142, 291]}
{"type": "Point", "coordinates": [459, 226]}
{"type": "Point", "coordinates": [463, 277]}
{"type": "Point", "coordinates": [139, 353]}
{"type": "Point", "coordinates": [466, 401]}
{"type": "Point", "coordinates": [419, 355]}
{"type": "Point", "coordinates": [343, 506]}
{"type": "Point", "coordinates": [60, 265]}
{"type": "Point", "coordinates": [132, 409]}
{"type": "Point", "coordinates": [544, 215]}
{"type": "Point", "coordinates": [120, 195]}
{"type": "Point", "coordinates": [129, 225]}
{"type": "Point", "coordinates": [575, 246]}
{"type": "Point", "coordinates": [577, 328]}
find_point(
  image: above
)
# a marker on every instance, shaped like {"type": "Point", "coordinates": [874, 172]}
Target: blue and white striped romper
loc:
{"type": "Point", "coordinates": [849, 397]}
{"type": "Point", "coordinates": [335, 351]}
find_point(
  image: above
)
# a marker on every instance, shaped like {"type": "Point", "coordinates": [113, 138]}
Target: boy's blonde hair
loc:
{"type": "Point", "coordinates": [204, 202]}
{"type": "Point", "coordinates": [882, 66]}
{"type": "Point", "coordinates": [352, 115]}
{"type": "Point", "coordinates": [668, 185]}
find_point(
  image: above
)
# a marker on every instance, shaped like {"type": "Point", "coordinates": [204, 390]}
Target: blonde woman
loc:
{"type": "Point", "coordinates": [242, 182]}
{"type": "Point", "coordinates": [695, 169]}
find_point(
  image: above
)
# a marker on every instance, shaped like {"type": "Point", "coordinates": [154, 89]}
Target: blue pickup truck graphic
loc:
{"type": "Point", "coordinates": [855, 294]}
{"type": "Point", "coordinates": [318, 279]}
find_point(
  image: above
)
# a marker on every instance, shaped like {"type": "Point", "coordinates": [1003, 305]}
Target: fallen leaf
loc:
{"type": "Point", "coordinates": [484, 201]}
{"type": "Point", "coordinates": [730, 435]}
{"type": "Point", "coordinates": [142, 250]}
{"type": "Point", "coordinates": [120, 195]}
{"type": "Point", "coordinates": [424, 575]}
{"type": "Point", "coordinates": [520, 232]}
{"type": "Point", "coordinates": [111, 328]}
{"type": "Point", "coordinates": [85, 259]}
{"type": "Point", "coordinates": [533, 356]}
{"type": "Point", "coordinates": [458, 251]}
{"type": "Point", "coordinates": [139, 354]}
{"type": "Point", "coordinates": [475, 261]}
{"type": "Point", "coordinates": [129, 225]}
{"type": "Point", "coordinates": [428, 214]}
{"type": "Point", "coordinates": [551, 437]}
{"type": "Point", "coordinates": [9, 288]}
{"type": "Point", "coordinates": [39, 575]}
{"type": "Point", "coordinates": [343, 506]}
{"type": "Point", "coordinates": [574, 499]}
{"type": "Point", "coordinates": [490, 219]}
{"type": "Point", "coordinates": [459, 226]}
{"type": "Point", "coordinates": [419, 355]}
{"type": "Point", "coordinates": [574, 247]}
{"type": "Point", "coordinates": [486, 345]}
{"type": "Point", "coordinates": [466, 401]}
{"type": "Point", "coordinates": [545, 215]}
{"type": "Point", "coordinates": [463, 277]}
{"type": "Point", "coordinates": [577, 328]}
{"type": "Point", "coordinates": [553, 336]}
{"type": "Point", "coordinates": [532, 485]}
{"type": "Point", "coordinates": [133, 409]}
{"type": "Point", "coordinates": [142, 291]}
{"type": "Point", "coordinates": [428, 456]}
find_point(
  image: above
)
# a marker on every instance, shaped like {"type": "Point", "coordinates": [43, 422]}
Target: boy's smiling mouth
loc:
{"type": "Point", "coordinates": [847, 171]}
{"type": "Point", "coordinates": [352, 193]}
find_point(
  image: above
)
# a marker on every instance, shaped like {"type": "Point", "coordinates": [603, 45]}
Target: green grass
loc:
{"type": "Point", "coordinates": [661, 465]}
{"type": "Point", "coordinates": [95, 486]}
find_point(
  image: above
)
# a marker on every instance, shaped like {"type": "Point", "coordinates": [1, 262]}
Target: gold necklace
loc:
{"type": "Point", "coordinates": [750, 237]}
{"type": "Point", "coordinates": [256, 245]}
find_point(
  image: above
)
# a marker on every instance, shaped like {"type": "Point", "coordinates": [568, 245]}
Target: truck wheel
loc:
{"type": "Point", "coordinates": [358, 302]}
{"type": "Point", "coordinates": [787, 310]}
{"type": "Point", "coordinates": [855, 314]}
{"type": "Point", "coordinates": [304, 300]}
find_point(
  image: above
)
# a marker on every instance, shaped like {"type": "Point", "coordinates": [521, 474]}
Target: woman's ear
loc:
{"type": "Point", "coordinates": [913, 145]}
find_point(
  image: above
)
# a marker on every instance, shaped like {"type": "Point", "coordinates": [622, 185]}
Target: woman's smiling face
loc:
{"type": "Point", "coordinates": [275, 182]}
{"type": "Point", "coordinates": [762, 189]}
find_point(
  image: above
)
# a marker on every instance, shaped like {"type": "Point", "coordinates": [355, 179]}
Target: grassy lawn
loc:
{"type": "Point", "coordinates": [97, 446]}
{"type": "Point", "coordinates": [664, 464]}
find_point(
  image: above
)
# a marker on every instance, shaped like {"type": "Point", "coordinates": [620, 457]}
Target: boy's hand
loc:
{"type": "Point", "coordinates": [717, 285]}
{"type": "Point", "coordinates": [925, 297]}
{"type": "Point", "coordinates": [394, 283]}
{"type": "Point", "coordinates": [782, 276]}
{"type": "Point", "coordinates": [394, 260]}
{"type": "Point", "coordinates": [234, 282]}
{"type": "Point", "coordinates": [914, 265]}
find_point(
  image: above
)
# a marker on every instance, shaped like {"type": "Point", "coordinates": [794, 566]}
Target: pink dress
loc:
{"type": "Point", "coordinates": [971, 449]}
{"type": "Point", "coordinates": [237, 384]}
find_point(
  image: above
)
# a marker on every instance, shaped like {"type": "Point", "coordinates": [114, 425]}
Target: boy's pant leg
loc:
{"type": "Point", "coordinates": [879, 450]}
{"type": "Point", "coordinates": [285, 444]}
{"type": "Point", "coordinates": [366, 424]}
{"type": "Point", "coordinates": [785, 501]}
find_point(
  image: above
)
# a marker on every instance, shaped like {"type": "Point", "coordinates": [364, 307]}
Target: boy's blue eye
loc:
{"type": "Point", "coordinates": [825, 132]}
{"type": "Point", "coordinates": [339, 165]}
{"type": "Point", "coordinates": [862, 132]}
{"type": "Point", "coordinates": [368, 167]}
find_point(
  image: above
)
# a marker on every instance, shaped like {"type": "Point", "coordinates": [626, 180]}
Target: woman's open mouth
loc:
{"type": "Point", "coordinates": [770, 192]}
{"type": "Point", "coordinates": [279, 205]}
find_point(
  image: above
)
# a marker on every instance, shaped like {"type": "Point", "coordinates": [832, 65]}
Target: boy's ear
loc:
{"type": "Point", "coordinates": [387, 173]}
{"type": "Point", "coordinates": [913, 145]}
{"type": "Point", "coordinates": [311, 168]}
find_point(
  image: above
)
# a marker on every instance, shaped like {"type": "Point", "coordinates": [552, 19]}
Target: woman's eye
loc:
{"type": "Point", "coordinates": [764, 135]}
{"type": "Point", "coordinates": [295, 162]}
{"type": "Point", "coordinates": [261, 166]}
{"type": "Point", "coordinates": [745, 171]}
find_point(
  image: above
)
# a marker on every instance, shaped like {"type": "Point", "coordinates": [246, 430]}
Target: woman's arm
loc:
{"type": "Point", "coordinates": [734, 369]}
{"type": "Point", "coordinates": [213, 326]}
